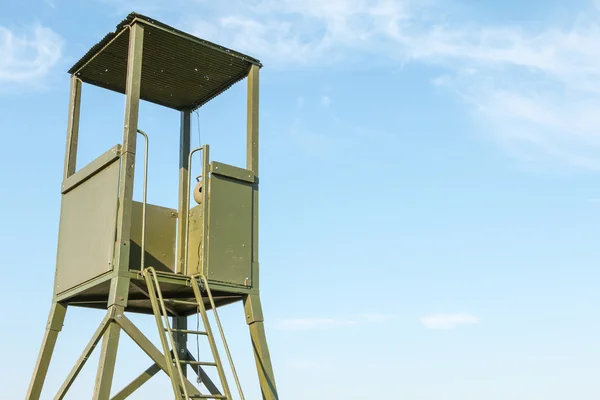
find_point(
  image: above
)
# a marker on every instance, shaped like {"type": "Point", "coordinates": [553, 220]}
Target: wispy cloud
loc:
{"type": "Point", "coordinates": [300, 324]}
{"type": "Point", "coordinates": [27, 57]}
{"type": "Point", "coordinates": [325, 101]}
{"type": "Point", "coordinates": [302, 32]}
{"type": "Point", "coordinates": [448, 321]}
{"type": "Point", "coordinates": [535, 91]}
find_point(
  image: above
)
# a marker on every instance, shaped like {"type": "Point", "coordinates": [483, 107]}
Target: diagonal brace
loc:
{"type": "Point", "coordinates": [137, 382]}
{"type": "Point", "coordinates": [148, 347]}
{"type": "Point", "coordinates": [87, 351]}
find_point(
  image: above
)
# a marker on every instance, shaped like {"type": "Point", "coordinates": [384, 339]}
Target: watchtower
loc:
{"type": "Point", "coordinates": [126, 256]}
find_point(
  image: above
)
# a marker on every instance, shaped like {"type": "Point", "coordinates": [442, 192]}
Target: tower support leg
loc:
{"type": "Point", "coordinates": [181, 339]}
{"type": "Point", "coordinates": [108, 358]}
{"type": "Point", "coordinates": [181, 342]}
{"type": "Point", "coordinates": [87, 351]}
{"type": "Point", "coordinates": [53, 327]}
{"type": "Point", "coordinates": [255, 320]}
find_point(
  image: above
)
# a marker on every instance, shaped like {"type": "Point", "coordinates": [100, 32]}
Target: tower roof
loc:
{"type": "Point", "coordinates": [179, 70]}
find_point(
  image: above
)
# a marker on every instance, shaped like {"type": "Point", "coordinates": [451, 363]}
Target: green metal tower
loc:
{"type": "Point", "coordinates": [126, 256]}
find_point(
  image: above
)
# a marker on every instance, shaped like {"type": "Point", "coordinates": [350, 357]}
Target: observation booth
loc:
{"type": "Point", "coordinates": [129, 256]}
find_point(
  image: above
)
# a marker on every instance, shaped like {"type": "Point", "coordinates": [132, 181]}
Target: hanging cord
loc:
{"type": "Point", "coordinates": [198, 125]}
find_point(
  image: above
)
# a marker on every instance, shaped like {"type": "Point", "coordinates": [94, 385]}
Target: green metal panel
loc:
{"type": "Point", "coordinates": [229, 231]}
{"type": "Point", "coordinates": [87, 229]}
{"type": "Point", "coordinates": [232, 172]}
{"type": "Point", "coordinates": [229, 236]}
{"type": "Point", "coordinates": [161, 224]}
{"type": "Point", "coordinates": [88, 171]}
{"type": "Point", "coordinates": [195, 241]}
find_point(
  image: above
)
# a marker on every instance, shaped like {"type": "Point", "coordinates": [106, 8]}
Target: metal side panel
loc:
{"type": "Point", "coordinates": [195, 241]}
{"type": "Point", "coordinates": [87, 229]}
{"type": "Point", "coordinates": [229, 230]}
{"type": "Point", "coordinates": [161, 225]}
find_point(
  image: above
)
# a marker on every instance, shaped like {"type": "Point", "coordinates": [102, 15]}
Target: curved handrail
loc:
{"type": "Point", "coordinates": [145, 192]}
{"type": "Point", "coordinates": [205, 150]}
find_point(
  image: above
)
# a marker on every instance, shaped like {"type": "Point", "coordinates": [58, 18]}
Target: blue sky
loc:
{"type": "Point", "coordinates": [429, 196]}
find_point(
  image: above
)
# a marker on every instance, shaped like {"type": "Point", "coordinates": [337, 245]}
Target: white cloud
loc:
{"type": "Point", "coordinates": [325, 101]}
{"type": "Point", "coordinates": [300, 102]}
{"type": "Point", "coordinates": [300, 324]}
{"type": "Point", "coordinates": [448, 321]}
{"type": "Point", "coordinates": [28, 57]}
{"type": "Point", "coordinates": [535, 91]}
{"type": "Point", "coordinates": [299, 32]}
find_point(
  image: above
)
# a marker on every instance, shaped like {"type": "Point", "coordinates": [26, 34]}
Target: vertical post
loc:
{"type": "Point", "coordinates": [184, 176]}
{"type": "Point", "coordinates": [119, 287]}
{"type": "Point", "coordinates": [58, 311]}
{"type": "Point", "coordinates": [181, 340]}
{"type": "Point", "coordinates": [252, 162]}
{"type": "Point", "coordinates": [53, 327]}
{"type": "Point", "coordinates": [73, 127]}
{"type": "Point", "coordinates": [108, 358]}
{"type": "Point", "coordinates": [252, 121]}
{"type": "Point", "coordinates": [252, 306]}
{"type": "Point", "coordinates": [182, 219]}
{"type": "Point", "coordinates": [118, 293]}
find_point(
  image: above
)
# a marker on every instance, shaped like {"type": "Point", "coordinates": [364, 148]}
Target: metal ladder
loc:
{"type": "Point", "coordinates": [165, 331]}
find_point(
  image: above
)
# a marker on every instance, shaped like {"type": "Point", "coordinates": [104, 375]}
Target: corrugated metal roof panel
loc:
{"type": "Point", "coordinates": [179, 70]}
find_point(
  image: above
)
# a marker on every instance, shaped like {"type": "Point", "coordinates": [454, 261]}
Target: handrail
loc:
{"type": "Point", "coordinates": [145, 192]}
{"type": "Point", "coordinates": [205, 150]}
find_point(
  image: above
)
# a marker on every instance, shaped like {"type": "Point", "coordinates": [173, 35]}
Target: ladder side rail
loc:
{"type": "Point", "coordinates": [211, 340]}
{"type": "Point", "coordinates": [167, 327]}
{"type": "Point", "coordinates": [220, 327]}
{"type": "Point", "coordinates": [163, 340]}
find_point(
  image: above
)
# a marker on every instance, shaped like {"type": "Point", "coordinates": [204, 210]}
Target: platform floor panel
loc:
{"type": "Point", "coordinates": [173, 287]}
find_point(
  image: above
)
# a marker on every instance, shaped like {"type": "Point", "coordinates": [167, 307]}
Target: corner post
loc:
{"type": "Point", "coordinates": [58, 311]}
{"type": "Point", "coordinates": [252, 162]}
{"type": "Point", "coordinates": [73, 127]}
{"type": "Point", "coordinates": [184, 176]}
{"type": "Point", "coordinates": [119, 287]}
{"type": "Point", "coordinates": [252, 305]}
{"type": "Point", "coordinates": [252, 121]}
{"type": "Point", "coordinates": [182, 219]}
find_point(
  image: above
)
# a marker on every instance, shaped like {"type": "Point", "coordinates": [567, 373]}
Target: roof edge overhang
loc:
{"type": "Point", "coordinates": [134, 18]}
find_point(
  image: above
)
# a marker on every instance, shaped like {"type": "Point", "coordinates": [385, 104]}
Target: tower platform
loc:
{"type": "Point", "coordinates": [173, 286]}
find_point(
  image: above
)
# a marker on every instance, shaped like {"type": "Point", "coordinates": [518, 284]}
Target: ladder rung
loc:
{"type": "Point", "coordinates": [204, 363]}
{"type": "Point", "coordinates": [207, 396]}
{"type": "Point", "coordinates": [189, 303]}
{"type": "Point", "coordinates": [188, 331]}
